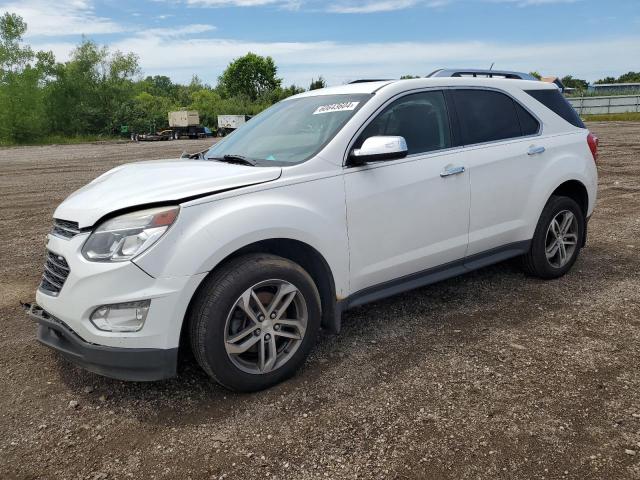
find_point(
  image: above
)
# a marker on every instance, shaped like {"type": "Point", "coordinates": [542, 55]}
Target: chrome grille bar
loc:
{"type": "Point", "coordinates": [56, 271]}
{"type": "Point", "coordinates": [65, 228]}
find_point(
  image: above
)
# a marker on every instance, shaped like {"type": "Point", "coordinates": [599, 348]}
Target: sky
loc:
{"type": "Point", "coordinates": [344, 40]}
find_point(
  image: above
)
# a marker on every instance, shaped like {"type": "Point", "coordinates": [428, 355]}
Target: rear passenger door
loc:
{"type": "Point", "coordinates": [500, 137]}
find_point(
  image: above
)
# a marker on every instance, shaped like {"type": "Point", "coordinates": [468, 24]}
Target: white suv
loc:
{"type": "Point", "coordinates": [325, 201]}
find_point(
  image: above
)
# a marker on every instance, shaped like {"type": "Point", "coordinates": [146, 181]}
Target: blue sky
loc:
{"type": "Point", "coordinates": [348, 39]}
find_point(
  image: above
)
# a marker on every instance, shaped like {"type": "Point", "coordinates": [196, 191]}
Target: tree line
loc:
{"type": "Point", "coordinates": [581, 85]}
{"type": "Point", "coordinates": [98, 90]}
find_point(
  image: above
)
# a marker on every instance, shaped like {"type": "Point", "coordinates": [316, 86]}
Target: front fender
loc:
{"type": "Point", "coordinates": [205, 234]}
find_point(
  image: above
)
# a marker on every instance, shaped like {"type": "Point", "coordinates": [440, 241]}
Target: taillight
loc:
{"type": "Point", "coordinates": [592, 140]}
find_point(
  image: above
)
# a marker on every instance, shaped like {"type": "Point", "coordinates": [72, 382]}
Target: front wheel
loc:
{"type": "Point", "coordinates": [254, 322]}
{"type": "Point", "coordinates": [557, 240]}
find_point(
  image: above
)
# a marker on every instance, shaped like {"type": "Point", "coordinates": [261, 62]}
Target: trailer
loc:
{"type": "Point", "coordinates": [186, 123]}
{"type": "Point", "coordinates": [228, 123]}
{"type": "Point", "coordinates": [152, 136]}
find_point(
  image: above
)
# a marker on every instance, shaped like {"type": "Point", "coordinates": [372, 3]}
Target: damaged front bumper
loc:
{"type": "Point", "coordinates": [136, 364]}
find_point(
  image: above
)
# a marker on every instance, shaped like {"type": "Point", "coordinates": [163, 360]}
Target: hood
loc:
{"type": "Point", "coordinates": [157, 181]}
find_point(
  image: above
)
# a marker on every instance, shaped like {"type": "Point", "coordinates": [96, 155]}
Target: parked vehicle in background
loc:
{"type": "Point", "coordinates": [228, 123]}
{"type": "Point", "coordinates": [152, 136]}
{"type": "Point", "coordinates": [186, 123]}
{"type": "Point", "coordinates": [325, 201]}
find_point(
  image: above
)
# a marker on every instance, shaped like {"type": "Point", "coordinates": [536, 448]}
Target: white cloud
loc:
{"type": "Point", "coordinates": [371, 6]}
{"type": "Point", "coordinates": [355, 6]}
{"type": "Point", "coordinates": [62, 17]}
{"type": "Point", "coordinates": [185, 50]}
{"type": "Point", "coordinates": [374, 6]}
{"type": "Point", "coordinates": [183, 31]}
{"type": "Point", "coordinates": [340, 62]}
{"type": "Point", "coordinates": [529, 3]}
{"type": "Point", "coordinates": [232, 3]}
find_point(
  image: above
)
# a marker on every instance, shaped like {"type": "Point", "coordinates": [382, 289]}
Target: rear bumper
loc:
{"type": "Point", "coordinates": [136, 364]}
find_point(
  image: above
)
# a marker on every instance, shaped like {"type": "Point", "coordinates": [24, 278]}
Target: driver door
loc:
{"type": "Point", "coordinates": [409, 215]}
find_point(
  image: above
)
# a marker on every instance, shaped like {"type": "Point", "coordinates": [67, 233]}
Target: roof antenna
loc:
{"type": "Point", "coordinates": [492, 64]}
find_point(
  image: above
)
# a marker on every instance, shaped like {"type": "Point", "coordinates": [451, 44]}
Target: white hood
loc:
{"type": "Point", "coordinates": [156, 181]}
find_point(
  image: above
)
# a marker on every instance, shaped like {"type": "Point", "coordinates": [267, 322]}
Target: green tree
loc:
{"type": "Point", "coordinates": [629, 77]}
{"type": "Point", "coordinates": [22, 77]}
{"type": "Point", "coordinates": [145, 113]}
{"type": "Point", "coordinates": [160, 85]}
{"type": "Point", "coordinates": [208, 103]}
{"type": "Point", "coordinates": [89, 90]}
{"type": "Point", "coordinates": [536, 75]}
{"type": "Point", "coordinates": [606, 80]}
{"type": "Point", "coordinates": [14, 57]}
{"type": "Point", "coordinates": [577, 83]}
{"type": "Point", "coordinates": [317, 84]}
{"type": "Point", "coordinates": [250, 76]}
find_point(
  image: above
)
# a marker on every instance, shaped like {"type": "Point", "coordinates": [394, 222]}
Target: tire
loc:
{"type": "Point", "coordinates": [219, 315]}
{"type": "Point", "coordinates": [541, 261]}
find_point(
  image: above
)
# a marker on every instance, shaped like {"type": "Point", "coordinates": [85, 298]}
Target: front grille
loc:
{"type": "Point", "coordinates": [56, 271]}
{"type": "Point", "coordinates": [65, 228]}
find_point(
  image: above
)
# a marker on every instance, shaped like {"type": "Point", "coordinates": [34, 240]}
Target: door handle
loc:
{"type": "Point", "coordinates": [533, 150]}
{"type": "Point", "coordinates": [451, 171]}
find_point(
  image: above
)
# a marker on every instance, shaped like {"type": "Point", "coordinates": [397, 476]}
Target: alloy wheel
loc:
{"type": "Point", "coordinates": [562, 239]}
{"type": "Point", "coordinates": [265, 326]}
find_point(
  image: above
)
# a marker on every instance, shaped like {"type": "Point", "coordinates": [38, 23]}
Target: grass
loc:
{"type": "Point", "coordinates": [613, 117]}
{"type": "Point", "coordinates": [605, 93]}
{"type": "Point", "coordinates": [62, 140]}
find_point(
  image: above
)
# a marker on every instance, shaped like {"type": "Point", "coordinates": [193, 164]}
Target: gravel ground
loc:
{"type": "Point", "coordinates": [491, 375]}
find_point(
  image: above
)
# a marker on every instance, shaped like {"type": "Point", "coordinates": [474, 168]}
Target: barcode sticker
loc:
{"type": "Point", "coordinates": [336, 107]}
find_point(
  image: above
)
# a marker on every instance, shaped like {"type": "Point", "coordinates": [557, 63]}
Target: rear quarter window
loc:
{"type": "Point", "coordinates": [555, 101]}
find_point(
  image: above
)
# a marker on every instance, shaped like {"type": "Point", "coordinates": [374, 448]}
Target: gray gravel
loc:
{"type": "Point", "coordinates": [492, 375]}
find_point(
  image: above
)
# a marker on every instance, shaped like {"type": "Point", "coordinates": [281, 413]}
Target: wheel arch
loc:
{"type": "Point", "coordinates": [299, 252]}
{"type": "Point", "coordinates": [575, 190]}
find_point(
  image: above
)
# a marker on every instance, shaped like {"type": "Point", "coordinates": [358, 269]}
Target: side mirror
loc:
{"type": "Point", "coordinates": [379, 148]}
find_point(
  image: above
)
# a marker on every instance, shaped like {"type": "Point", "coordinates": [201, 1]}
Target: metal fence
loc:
{"type": "Point", "coordinates": [609, 104]}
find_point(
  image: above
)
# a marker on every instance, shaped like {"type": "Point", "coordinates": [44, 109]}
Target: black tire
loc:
{"type": "Point", "coordinates": [535, 262]}
{"type": "Point", "coordinates": [215, 300]}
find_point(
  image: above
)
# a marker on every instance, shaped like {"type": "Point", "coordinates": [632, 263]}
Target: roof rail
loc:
{"type": "Point", "coordinates": [367, 80]}
{"type": "Point", "coordinates": [476, 72]}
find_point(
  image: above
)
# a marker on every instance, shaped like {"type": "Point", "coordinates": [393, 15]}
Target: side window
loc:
{"type": "Point", "coordinates": [421, 118]}
{"type": "Point", "coordinates": [528, 124]}
{"type": "Point", "coordinates": [485, 116]}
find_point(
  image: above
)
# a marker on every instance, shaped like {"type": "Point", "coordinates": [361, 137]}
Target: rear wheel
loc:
{"type": "Point", "coordinates": [557, 240]}
{"type": "Point", "coordinates": [255, 321]}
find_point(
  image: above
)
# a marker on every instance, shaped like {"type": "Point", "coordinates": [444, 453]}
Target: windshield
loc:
{"type": "Point", "coordinates": [290, 131]}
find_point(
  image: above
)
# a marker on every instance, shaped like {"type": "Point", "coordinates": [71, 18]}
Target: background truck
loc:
{"type": "Point", "coordinates": [228, 123]}
{"type": "Point", "coordinates": [186, 123]}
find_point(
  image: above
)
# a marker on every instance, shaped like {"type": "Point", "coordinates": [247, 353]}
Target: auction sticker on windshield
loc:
{"type": "Point", "coordinates": [336, 107]}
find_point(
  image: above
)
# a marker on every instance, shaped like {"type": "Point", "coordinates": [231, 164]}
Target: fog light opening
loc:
{"type": "Point", "coordinates": [121, 317]}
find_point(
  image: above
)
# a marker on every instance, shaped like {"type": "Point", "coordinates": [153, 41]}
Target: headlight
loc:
{"type": "Point", "coordinates": [122, 238]}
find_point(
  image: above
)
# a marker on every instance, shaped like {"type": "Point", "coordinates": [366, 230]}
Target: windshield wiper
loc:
{"type": "Point", "coordinates": [235, 159]}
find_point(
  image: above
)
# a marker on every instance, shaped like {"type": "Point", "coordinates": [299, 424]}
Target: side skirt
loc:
{"type": "Point", "coordinates": [433, 275]}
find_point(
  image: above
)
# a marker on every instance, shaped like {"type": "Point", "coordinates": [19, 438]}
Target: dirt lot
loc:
{"type": "Point", "coordinates": [493, 375]}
